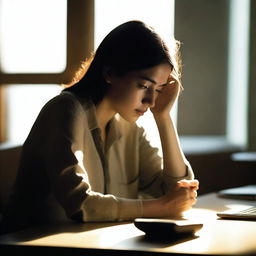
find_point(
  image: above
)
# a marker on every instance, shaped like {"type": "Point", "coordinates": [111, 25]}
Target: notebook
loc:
{"type": "Point", "coordinates": [248, 213]}
{"type": "Point", "coordinates": [245, 193]}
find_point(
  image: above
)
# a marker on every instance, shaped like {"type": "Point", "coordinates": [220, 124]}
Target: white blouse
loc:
{"type": "Point", "coordinates": [66, 172]}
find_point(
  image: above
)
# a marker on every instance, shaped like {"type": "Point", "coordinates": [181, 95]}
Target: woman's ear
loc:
{"type": "Point", "coordinates": [107, 74]}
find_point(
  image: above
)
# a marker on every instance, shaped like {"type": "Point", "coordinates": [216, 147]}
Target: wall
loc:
{"type": "Point", "coordinates": [202, 28]}
{"type": "Point", "coordinates": [216, 171]}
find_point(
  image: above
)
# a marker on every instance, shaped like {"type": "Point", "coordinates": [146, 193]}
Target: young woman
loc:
{"type": "Point", "coordinates": [86, 158]}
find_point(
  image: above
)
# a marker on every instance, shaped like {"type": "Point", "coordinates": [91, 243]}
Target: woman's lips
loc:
{"type": "Point", "coordinates": [141, 112]}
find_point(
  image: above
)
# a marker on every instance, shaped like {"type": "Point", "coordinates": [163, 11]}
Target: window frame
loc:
{"type": "Point", "coordinates": [2, 115]}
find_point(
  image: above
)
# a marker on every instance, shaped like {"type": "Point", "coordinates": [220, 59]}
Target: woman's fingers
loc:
{"type": "Point", "coordinates": [192, 184]}
{"type": "Point", "coordinates": [193, 193]}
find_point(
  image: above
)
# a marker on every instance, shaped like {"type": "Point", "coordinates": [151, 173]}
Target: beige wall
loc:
{"type": "Point", "coordinates": [202, 28]}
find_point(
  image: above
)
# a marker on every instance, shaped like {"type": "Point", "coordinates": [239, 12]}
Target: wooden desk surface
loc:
{"type": "Point", "coordinates": [217, 237]}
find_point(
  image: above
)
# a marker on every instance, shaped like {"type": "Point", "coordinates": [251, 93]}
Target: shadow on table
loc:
{"type": "Point", "coordinates": [147, 241]}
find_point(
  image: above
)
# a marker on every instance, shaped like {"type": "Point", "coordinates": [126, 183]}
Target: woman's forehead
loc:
{"type": "Point", "coordinates": [155, 74]}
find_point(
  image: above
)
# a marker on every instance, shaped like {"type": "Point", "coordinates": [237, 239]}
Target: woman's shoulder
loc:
{"type": "Point", "coordinates": [62, 107]}
{"type": "Point", "coordinates": [64, 98]}
{"type": "Point", "coordinates": [65, 101]}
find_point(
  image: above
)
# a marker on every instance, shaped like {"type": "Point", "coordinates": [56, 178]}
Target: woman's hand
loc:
{"type": "Point", "coordinates": [190, 184]}
{"type": "Point", "coordinates": [180, 199]}
{"type": "Point", "coordinates": [166, 98]}
{"type": "Point", "coordinates": [172, 205]}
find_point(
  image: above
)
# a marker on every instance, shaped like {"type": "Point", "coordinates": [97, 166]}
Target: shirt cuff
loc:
{"type": "Point", "coordinates": [129, 209]}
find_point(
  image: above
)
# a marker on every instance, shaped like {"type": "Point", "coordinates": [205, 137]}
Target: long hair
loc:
{"type": "Point", "coordinates": [130, 46]}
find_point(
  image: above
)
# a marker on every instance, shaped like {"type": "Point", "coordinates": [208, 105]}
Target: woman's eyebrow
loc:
{"type": "Point", "coordinates": [147, 78]}
{"type": "Point", "coordinates": [150, 80]}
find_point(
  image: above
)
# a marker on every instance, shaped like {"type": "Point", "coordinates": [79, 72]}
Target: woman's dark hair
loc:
{"type": "Point", "coordinates": [130, 46]}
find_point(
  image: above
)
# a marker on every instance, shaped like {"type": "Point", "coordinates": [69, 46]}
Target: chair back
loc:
{"type": "Point", "coordinates": [9, 161]}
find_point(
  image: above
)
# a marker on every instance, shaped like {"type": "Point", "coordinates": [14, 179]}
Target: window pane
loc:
{"type": "Point", "coordinates": [33, 36]}
{"type": "Point", "coordinates": [237, 100]}
{"type": "Point", "coordinates": [24, 103]}
{"type": "Point", "coordinates": [159, 14]}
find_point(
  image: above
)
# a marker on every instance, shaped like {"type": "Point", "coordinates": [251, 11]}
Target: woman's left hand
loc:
{"type": "Point", "coordinates": [166, 98]}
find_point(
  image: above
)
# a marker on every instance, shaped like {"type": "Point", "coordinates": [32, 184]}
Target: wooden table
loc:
{"type": "Point", "coordinates": [217, 237]}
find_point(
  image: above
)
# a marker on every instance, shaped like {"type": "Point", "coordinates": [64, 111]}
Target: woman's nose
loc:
{"type": "Point", "coordinates": [150, 98]}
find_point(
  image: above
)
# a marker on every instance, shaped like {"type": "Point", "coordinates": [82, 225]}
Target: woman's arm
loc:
{"type": "Point", "coordinates": [182, 196]}
{"type": "Point", "coordinates": [175, 163]}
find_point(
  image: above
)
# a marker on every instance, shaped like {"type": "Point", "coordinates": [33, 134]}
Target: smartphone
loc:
{"type": "Point", "coordinates": [167, 228]}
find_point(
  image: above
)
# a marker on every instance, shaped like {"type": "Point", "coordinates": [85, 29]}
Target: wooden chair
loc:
{"type": "Point", "coordinates": [9, 161]}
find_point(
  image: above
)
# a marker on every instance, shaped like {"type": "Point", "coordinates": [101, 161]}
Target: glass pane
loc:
{"type": "Point", "coordinates": [21, 115]}
{"type": "Point", "coordinates": [33, 36]}
{"type": "Point", "coordinates": [159, 14]}
{"type": "Point", "coordinates": [238, 72]}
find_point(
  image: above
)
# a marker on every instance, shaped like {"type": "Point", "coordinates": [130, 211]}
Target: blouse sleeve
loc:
{"type": "Point", "coordinates": [67, 174]}
{"type": "Point", "coordinates": [154, 181]}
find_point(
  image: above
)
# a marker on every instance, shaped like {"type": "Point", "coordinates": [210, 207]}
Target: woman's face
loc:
{"type": "Point", "coordinates": [133, 94]}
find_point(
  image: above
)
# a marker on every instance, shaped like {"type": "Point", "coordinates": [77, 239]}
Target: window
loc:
{"type": "Point", "coordinates": [33, 40]}
{"type": "Point", "coordinates": [212, 112]}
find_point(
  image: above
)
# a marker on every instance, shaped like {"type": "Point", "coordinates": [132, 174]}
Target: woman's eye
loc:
{"type": "Point", "coordinates": [159, 91]}
{"type": "Point", "coordinates": [142, 86]}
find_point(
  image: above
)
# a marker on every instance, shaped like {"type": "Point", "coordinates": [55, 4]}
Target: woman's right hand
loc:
{"type": "Point", "coordinates": [177, 201]}
{"type": "Point", "coordinates": [172, 204]}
